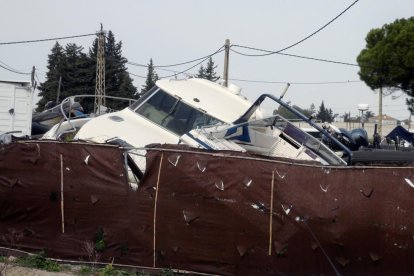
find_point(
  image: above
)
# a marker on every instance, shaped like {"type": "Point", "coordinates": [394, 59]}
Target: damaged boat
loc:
{"type": "Point", "coordinates": [225, 191]}
{"type": "Point", "coordinates": [204, 114]}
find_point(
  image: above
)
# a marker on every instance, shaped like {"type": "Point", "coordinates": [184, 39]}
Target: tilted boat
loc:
{"type": "Point", "coordinates": [227, 190]}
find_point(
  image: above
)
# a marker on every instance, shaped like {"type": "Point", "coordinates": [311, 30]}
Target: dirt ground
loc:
{"type": "Point", "coordinates": [24, 271]}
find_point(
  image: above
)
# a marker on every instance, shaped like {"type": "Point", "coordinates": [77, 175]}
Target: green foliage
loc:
{"type": "Point", "coordinates": [109, 270]}
{"type": "Point", "coordinates": [208, 72]}
{"type": "Point", "coordinates": [388, 57]}
{"type": "Point", "coordinates": [167, 272]}
{"type": "Point", "coordinates": [85, 270]}
{"type": "Point", "coordinates": [3, 259]}
{"type": "Point", "coordinates": [99, 242]}
{"type": "Point", "coordinates": [325, 114]}
{"type": "Point", "coordinates": [282, 111]}
{"type": "Point", "coordinates": [39, 261]}
{"type": "Point", "coordinates": [152, 78]}
{"type": "Point", "coordinates": [78, 72]}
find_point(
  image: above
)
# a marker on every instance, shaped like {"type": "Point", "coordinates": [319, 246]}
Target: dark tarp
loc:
{"type": "Point", "coordinates": [401, 133]}
{"type": "Point", "coordinates": [207, 212]}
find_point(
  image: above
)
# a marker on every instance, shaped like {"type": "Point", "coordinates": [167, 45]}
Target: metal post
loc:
{"type": "Point", "coordinates": [33, 76]}
{"type": "Point", "coordinates": [380, 112]}
{"type": "Point", "coordinates": [58, 92]}
{"type": "Point", "coordinates": [226, 62]}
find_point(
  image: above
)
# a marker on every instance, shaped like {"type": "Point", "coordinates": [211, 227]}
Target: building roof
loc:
{"type": "Point", "coordinates": [384, 117]}
{"type": "Point", "coordinates": [16, 82]}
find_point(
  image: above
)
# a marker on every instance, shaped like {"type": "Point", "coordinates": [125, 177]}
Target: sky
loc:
{"type": "Point", "coordinates": [177, 31]}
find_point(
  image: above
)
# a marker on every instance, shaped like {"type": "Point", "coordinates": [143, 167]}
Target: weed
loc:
{"type": "Point", "coordinates": [167, 272]}
{"type": "Point", "coordinates": [85, 270]}
{"type": "Point", "coordinates": [99, 240]}
{"type": "Point", "coordinates": [4, 263]}
{"type": "Point", "coordinates": [39, 261]}
{"type": "Point", "coordinates": [109, 270]}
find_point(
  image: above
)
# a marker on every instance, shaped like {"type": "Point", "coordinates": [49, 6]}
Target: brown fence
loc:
{"type": "Point", "coordinates": [216, 213]}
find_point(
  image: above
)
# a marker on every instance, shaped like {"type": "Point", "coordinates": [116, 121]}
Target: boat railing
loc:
{"type": "Point", "coordinates": [288, 128]}
{"type": "Point", "coordinates": [69, 101]}
{"type": "Point", "coordinates": [245, 117]}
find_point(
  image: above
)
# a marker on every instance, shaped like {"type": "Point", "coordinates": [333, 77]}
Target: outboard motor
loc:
{"type": "Point", "coordinates": [353, 139]}
{"type": "Point", "coordinates": [360, 137]}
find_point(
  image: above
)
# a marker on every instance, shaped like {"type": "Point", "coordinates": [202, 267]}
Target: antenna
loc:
{"type": "Point", "coordinates": [284, 91]}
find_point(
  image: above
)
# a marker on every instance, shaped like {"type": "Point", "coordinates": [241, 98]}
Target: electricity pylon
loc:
{"type": "Point", "coordinates": [100, 74]}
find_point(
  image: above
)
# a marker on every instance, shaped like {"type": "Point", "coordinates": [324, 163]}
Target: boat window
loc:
{"type": "Point", "coordinates": [171, 113]}
{"type": "Point", "coordinates": [143, 98]}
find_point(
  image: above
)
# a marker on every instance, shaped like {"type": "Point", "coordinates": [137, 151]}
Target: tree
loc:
{"type": "Point", "coordinates": [78, 72]}
{"type": "Point", "coordinates": [49, 88]}
{"type": "Point", "coordinates": [369, 114]}
{"type": "Point", "coordinates": [284, 112]}
{"type": "Point", "coordinates": [152, 78]}
{"type": "Point", "coordinates": [388, 58]}
{"type": "Point", "coordinates": [118, 83]}
{"type": "Point", "coordinates": [208, 72]}
{"type": "Point", "coordinates": [201, 72]}
{"type": "Point", "coordinates": [324, 114]}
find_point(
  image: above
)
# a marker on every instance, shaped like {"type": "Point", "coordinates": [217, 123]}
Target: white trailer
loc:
{"type": "Point", "coordinates": [16, 102]}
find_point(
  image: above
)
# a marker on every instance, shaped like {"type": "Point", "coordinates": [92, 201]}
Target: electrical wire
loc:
{"type": "Point", "coordinates": [181, 63]}
{"type": "Point", "coordinates": [298, 42]}
{"type": "Point", "coordinates": [304, 57]}
{"type": "Point", "coordinates": [8, 68]}
{"type": "Point", "coordinates": [45, 39]}
{"type": "Point", "coordinates": [296, 83]}
{"type": "Point", "coordinates": [137, 75]}
{"type": "Point", "coordinates": [188, 69]}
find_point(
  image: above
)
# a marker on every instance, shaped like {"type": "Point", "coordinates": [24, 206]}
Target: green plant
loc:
{"type": "Point", "coordinates": [99, 240]}
{"type": "Point", "coordinates": [85, 270]}
{"type": "Point", "coordinates": [167, 272]}
{"type": "Point", "coordinates": [109, 270]}
{"type": "Point", "coordinates": [39, 261]}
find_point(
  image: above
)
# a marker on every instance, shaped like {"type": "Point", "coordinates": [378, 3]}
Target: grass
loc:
{"type": "Point", "coordinates": [39, 261]}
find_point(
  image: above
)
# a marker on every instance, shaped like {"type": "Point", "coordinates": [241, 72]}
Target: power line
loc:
{"type": "Point", "coordinates": [303, 57]}
{"type": "Point", "coordinates": [296, 83]}
{"type": "Point", "coordinates": [45, 39]}
{"type": "Point", "coordinates": [137, 75]}
{"type": "Point", "coordinates": [9, 68]}
{"type": "Point", "coordinates": [298, 42]}
{"type": "Point", "coordinates": [188, 69]}
{"type": "Point", "coordinates": [203, 59]}
{"type": "Point", "coordinates": [181, 63]}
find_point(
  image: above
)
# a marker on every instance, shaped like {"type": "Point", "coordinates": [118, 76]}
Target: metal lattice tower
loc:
{"type": "Point", "coordinates": [100, 74]}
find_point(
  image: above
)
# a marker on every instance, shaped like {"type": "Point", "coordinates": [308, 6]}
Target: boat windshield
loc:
{"type": "Point", "coordinates": [173, 114]}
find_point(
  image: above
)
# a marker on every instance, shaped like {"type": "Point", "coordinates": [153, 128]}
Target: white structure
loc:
{"type": "Point", "coordinates": [164, 114]}
{"type": "Point", "coordinates": [16, 107]}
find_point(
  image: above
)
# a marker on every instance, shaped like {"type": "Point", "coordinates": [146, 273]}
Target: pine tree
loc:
{"type": "Point", "coordinates": [201, 72]}
{"type": "Point", "coordinates": [78, 72]}
{"type": "Point", "coordinates": [152, 77]}
{"type": "Point", "coordinates": [49, 88]}
{"type": "Point", "coordinates": [118, 83]}
{"type": "Point", "coordinates": [210, 72]}
{"type": "Point", "coordinates": [325, 114]}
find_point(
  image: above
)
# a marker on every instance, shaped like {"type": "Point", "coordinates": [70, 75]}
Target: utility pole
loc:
{"type": "Point", "coordinates": [100, 74]}
{"type": "Point", "coordinates": [380, 112]}
{"type": "Point", "coordinates": [32, 76]}
{"type": "Point", "coordinates": [58, 92]}
{"type": "Point", "coordinates": [226, 62]}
